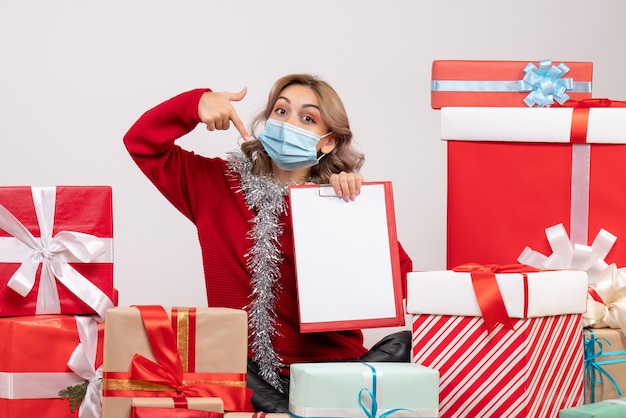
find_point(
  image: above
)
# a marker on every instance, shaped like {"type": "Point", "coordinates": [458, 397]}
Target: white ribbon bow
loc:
{"type": "Point", "coordinates": [54, 253]}
{"type": "Point", "coordinates": [82, 362]}
{"type": "Point", "coordinates": [571, 257]}
{"type": "Point", "coordinates": [611, 311]}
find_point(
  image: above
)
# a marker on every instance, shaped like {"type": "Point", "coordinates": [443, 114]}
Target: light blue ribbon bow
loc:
{"type": "Point", "coordinates": [546, 84]}
{"type": "Point", "coordinates": [591, 365]}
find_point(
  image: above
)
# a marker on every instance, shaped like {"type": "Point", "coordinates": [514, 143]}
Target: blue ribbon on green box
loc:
{"type": "Point", "coordinates": [593, 366]}
{"type": "Point", "coordinates": [372, 411]}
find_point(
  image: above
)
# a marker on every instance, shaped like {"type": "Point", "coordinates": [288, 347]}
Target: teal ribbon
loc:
{"type": "Point", "coordinates": [373, 410]}
{"type": "Point", "coordinates": [545, 84]}
{"type": "Point", "coordinates": [591, 366]}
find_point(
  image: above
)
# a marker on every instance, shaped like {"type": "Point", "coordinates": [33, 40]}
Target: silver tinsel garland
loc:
{"type": "Point", "coordinates": [266, 197]}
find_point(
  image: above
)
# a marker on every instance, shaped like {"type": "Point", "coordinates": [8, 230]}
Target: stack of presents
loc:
{"type": "Point", "coordinates": [527, 320]}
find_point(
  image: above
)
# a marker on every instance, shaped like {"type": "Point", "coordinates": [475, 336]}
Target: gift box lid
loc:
{"type": "Point", "coordinates": [508, 83]}
{"type": "Point", "coordinates": [605, 125]}
{"type": "Point", "coordinates": [528, 295]}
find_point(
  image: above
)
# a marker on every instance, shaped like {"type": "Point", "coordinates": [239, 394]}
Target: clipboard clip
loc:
{"type": "Point", "coordinates": [326, 190]}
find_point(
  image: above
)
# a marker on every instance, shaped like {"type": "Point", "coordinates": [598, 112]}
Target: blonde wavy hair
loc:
{"type": "Point", "coordinates": [342, 158]}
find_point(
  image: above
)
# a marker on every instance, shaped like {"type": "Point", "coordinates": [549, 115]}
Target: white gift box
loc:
{"type": "Point", "coordinates": [527, 295]}
{"type": "Point", "coordinates": [518, 124]}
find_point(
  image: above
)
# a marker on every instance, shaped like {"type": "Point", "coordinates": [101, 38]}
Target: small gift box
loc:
{"type": "Point", "coordinates": [362, 389]}
{"type": "Point", "coordinates": [45, 358]}
{"type": "Point", "coordinates": [560, 166]}
{"type": "Point", "coordinates": [176, 408]}
{"type": "Point", "coordinates": [152, 351]}
{"type": "Point", "coordinates": [496, 335]}
{"type": "Point", "coordinates": [56, 250]}
{"type": "Point", "coordinates": [612, 408]}
{"type": "Point", "coordinates": [605, 364]}
{"type": "Point", "coordinates": [508, 83]}
{"type": "Point", "coordinates": [255, 415]}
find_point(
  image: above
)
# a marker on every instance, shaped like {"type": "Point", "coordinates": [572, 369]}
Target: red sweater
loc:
{"type": "Point", "coordinates": [206, 192]}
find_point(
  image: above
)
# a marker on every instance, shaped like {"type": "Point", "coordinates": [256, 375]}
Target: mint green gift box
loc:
{"type": "Point", "coordinates": [610, 408]}
{"type": "Point", "coordinates": [360, 389]}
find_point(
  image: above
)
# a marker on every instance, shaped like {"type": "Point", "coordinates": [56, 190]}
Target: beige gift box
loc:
{"type": "Point", "coordinates": [211, 344]}
{"type": "Point", "coordinates": [196, 404]}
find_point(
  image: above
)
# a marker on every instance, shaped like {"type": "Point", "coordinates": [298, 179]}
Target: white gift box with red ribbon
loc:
{"type": "Point", "coordinates": [529, 364]}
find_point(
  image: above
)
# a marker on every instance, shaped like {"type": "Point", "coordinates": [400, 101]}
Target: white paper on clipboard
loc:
{"type": "Point", "coordinates": [346, 255]}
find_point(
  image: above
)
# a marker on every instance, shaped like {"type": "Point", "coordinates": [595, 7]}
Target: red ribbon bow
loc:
{"type": "Point", "coordinates": [488, 293]}
{"type": "Point", "coordinates": [168, 369]}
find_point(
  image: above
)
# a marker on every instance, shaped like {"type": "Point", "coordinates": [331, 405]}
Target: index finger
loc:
{"type": "Point", "coordinates": [240, 126]}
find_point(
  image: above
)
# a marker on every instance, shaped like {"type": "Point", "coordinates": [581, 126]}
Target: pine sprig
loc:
{"type": "Point", "coordinates": [75, 394]}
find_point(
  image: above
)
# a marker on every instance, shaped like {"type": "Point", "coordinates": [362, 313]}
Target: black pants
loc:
{"type": "Point", "coordinates": [393, 348]}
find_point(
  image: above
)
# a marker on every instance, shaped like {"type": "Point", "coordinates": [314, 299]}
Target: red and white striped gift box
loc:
{"type": "Point", "coordinates": [531, 370]}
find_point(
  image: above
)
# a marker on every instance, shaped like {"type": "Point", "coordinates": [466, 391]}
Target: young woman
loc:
{"type": "Point", "coordinates": [240, 208]}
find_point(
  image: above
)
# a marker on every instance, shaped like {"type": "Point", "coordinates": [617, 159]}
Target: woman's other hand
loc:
{"type": "Point", "coordinates": [217, 112]}
{"type": "Point", "coordinates": [347, 185]}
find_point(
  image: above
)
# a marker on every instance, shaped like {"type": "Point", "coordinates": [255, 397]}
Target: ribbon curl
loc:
{"type": "Point", "coordinates": [606, 301]}
{"type": "Point", "coordinates": [545, 84]}
{"type": "Point", "coordinates": [566, 256]}
{"type": "Point", "coordinates": [82, 362]}
{"type": "Point", "coordinates": [54, 254]}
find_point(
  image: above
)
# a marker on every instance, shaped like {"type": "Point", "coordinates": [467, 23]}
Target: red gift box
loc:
{"type": "Point", "coordinates": [508, 83]}
{"type": "Point", "coordinates": [36, 353]}
{"type": "Point", "coordinates": [56, 252]}
{"type": "Point", "coordinates": [504, 190]}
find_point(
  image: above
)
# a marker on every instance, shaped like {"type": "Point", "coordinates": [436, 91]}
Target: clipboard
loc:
{"type": "Point", "coordinates": [346, 258]}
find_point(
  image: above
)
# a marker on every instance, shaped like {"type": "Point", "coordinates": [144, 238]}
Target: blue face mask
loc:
{"type": "Point", "coordinates": [291, 148]}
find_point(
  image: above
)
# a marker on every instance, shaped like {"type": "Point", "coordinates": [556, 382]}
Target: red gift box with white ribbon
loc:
{"type": "Point", "coordinates": [41, 355]}
{"type": "Point", "coordinates": [56, 250]}
{"type": "Point", "coordinates": [514, 173]}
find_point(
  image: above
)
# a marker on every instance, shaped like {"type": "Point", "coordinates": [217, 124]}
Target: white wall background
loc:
{"type": "Point", "coordinates": [74, 75]}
